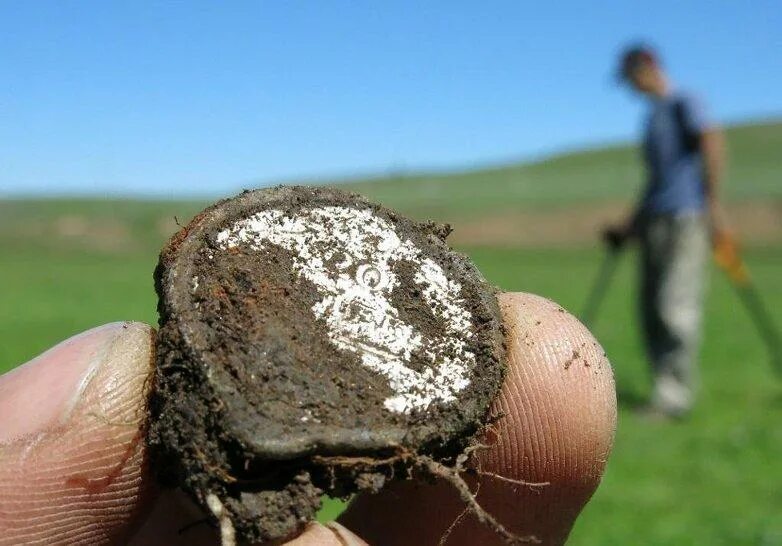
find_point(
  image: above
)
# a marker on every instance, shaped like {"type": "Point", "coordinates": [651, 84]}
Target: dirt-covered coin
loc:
{"type": "Point", "coordinates": [313, 342]}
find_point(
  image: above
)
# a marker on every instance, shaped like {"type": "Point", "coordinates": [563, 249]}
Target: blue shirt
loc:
{"type": "Point", "coordinates": [676, 179]}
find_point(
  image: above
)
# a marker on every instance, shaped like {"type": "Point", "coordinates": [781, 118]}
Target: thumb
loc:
{"type": "Point", "coordinates": [72, 466]}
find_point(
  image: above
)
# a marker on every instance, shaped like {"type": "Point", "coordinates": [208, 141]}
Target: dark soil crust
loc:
{"type": "Point", "coordinates": [254, 404]}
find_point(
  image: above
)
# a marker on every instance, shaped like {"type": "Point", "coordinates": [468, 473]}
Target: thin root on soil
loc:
{"type": "Point", "coordinates": [227, 533]}
{"type": "Point", "coordinates": [457, 520]}
{"type": "Point", "coordinates": [452, 475]}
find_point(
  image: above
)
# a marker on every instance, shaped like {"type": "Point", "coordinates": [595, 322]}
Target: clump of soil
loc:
{"type": "Point", "coordinates": [311, 343]}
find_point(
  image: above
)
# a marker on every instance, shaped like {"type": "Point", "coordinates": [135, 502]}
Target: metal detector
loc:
{"type": "Point", "coordinates": [600, 284]}
{"type": "Point", "coordinates": [728, 258]}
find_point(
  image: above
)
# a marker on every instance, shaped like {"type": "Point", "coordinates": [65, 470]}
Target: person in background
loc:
{"type": "Point", "coordinates": [677, 214]}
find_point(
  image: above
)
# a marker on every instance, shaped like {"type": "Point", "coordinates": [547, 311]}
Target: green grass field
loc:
{"type": "Point", "coordinates": [583, 177]}
{"type": "Point", "coordinates": [714, 479]}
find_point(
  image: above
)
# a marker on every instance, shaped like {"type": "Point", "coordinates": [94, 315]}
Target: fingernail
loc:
{"type": "Point", "coordinates": [346, 536]}
{"type": "Point", "coordinates": [42, 393]}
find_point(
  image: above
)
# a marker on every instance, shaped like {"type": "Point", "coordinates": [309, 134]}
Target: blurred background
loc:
{"type": "Point", "coordinates": [119, 121]}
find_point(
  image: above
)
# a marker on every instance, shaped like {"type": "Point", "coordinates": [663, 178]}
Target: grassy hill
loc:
{"type": "Point", "coordinates": [67, 265]}
{"type": "Point", "coordinates": [560, 199]}
{"type": "Point", "coordinates": [608, 174]}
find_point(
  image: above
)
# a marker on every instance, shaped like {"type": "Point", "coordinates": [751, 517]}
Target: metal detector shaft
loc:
{"type": "Point", "coordinates": [762, 319]}
{"type": "Point", "coordinates": [600, 286]}
{"type": "Point", "coordinates": [728, 257]}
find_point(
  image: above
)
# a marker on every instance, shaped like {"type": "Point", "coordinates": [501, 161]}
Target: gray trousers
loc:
{"type": "Point", "coordinates": [674, 250]}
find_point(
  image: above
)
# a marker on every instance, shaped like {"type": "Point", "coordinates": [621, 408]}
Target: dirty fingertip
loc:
{"type": "Point", "coordinates": [560, 387]}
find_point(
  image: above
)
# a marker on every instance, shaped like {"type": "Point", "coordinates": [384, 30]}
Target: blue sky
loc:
{"type": "Point", "coordinates": [202, 98]}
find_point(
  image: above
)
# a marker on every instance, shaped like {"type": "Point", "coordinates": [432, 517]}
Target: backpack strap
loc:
{"type": "Point", "coordinates": [690, 140]}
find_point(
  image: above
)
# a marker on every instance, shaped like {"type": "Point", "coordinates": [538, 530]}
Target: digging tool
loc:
{"type": "Point", "coordinates": [728, 257]}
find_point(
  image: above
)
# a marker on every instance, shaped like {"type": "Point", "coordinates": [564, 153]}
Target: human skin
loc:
{"type": "Point", "coordinates": [73, 461]}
